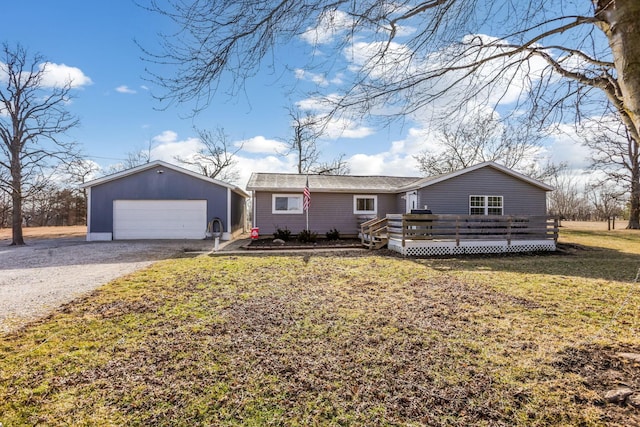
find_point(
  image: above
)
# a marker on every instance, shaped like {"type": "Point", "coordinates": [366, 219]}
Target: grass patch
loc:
{"type": "Point", "coordinates": [343, 339]}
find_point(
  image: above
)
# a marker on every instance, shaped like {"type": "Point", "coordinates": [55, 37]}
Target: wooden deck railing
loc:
{"type": "Point", "coordinates": [471, 227]}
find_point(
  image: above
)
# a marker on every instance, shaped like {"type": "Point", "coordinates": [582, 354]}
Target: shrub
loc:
{"type": "Point", "coordinates": [307, 236]}
{"type": "Point", "coordinates": [333, 234]}
{"type": "Point", "coordinates": [282, 234]}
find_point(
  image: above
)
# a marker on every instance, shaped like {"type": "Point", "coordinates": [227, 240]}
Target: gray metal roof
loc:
{"type": "Point", "coordinates": [282, 182]}
{"type": "Point", "coordinates": [328, 183]}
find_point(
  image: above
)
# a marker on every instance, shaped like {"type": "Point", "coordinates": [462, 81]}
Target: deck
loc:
{"type": "Point", "coordinates": [428, 235]}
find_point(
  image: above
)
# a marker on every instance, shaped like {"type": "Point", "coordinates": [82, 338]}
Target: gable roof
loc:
{"type": "Point", "coordinates": [160, 163]}
{"type": "Point", "coordinates": [283, 182]}
{"type": "Point", "coordinates": [425, 182]}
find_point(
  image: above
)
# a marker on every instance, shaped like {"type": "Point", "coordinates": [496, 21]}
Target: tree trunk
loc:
{"type": "Point", "coordinates": [634, 204]}
{"type": "Point", "coordinates": [16, 196]}
{"type": "Point", "coordinates": [620, 21]}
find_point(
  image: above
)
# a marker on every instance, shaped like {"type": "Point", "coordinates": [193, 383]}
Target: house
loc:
{"type": "Point", "coordinates": [337, 201]}
{"type": "Point", "coordinates": [159, 200]}
{"type": "Point", "coordinates": [345, 202]}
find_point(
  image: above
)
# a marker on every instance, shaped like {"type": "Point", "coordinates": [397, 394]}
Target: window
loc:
{"type": "Point", "coordinates": [485, 205]}
{"type": "Point", "coordinates": [365, 204]}
{"type": "Point", "coordinates": [286, 204]}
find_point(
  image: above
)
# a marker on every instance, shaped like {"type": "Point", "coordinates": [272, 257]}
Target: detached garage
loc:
{"type": "Point", "coordinates": [159, 200]}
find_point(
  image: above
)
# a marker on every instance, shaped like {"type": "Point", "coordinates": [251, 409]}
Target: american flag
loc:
{"type": "Point", "coordinates": [306, 202]}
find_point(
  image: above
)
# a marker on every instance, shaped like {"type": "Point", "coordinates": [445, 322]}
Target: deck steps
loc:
{"type": "Point", "coordinates": [374, 233]}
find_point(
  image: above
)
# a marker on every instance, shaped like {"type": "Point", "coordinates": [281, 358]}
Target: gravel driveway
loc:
{"type": "Point", "coordinates": [47, 273]}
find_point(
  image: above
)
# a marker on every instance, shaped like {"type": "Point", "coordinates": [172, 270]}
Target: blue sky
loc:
{"type": "Point", "coordinates": [118, 114]}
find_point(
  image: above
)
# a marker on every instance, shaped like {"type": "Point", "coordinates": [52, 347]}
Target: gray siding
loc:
{"type": "Point", "coordinates": [401, 204]}
{"type": "Point", "coordinates": [150, 185]}
{"type": "Point", "coordinates": [237, 212]}
{"type": "Point", "coordinates": [328, 210]}
{"type": "Point", "coordinates": [452, 196]}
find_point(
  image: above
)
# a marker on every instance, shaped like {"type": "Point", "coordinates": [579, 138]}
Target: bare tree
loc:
{"type": "Point", "coordinates": [5, 209]}
{"type": "Point", "coordinates": [615, 153]}
{"type": "Point", "coordinates": [482, 138]}
{"type": "Point", "coordinates": [33, 118]}
{"type": "Point", "coordinates": [216, 157]}
{"type": "Point", "coordinates": [136, 158]}
{"type": "Point", "coordinates": [606, 200]}
{"type": "Point", "coordinates": [306, 130]}
{"type": "Point", "coordinates": [133, 159]}
{"type": "Point", "coordinates": [303, 140]}
{"type": "Point", "coordinates": [338, 166]}
{"type": "Point", "coordinates": [80, 171]}
{"type": "Point", "coordinates": [568, 199]}
{"type": "Point", "coordinates": [553, 54]}
{"type": "Point", "coordinates": [54, 205]}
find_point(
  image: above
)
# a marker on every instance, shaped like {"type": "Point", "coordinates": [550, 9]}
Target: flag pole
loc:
{"type": "Point", "coordinates": [307, 199]}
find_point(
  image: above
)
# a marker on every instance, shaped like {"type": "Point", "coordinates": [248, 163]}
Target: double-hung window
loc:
{"type": "Point", "coordinates": [486, 205]}
{"type": "Point", "coordinates": [367, 205]}
{"type": "Point", "coordinates": [286, 203]}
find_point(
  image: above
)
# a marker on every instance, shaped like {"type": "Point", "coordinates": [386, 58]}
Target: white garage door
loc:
{"type": "Point", "coordinates": [159, 219]}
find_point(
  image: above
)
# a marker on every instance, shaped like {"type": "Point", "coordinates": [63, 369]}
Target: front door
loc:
{"type": "Point", "coordinates": [412, 200]}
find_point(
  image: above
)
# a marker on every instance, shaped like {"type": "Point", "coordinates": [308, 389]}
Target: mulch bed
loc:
{"type": "Point", "coordinates": [267, 244]}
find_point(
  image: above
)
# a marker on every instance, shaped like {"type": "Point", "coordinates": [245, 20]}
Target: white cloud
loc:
{"type": "Point", "coordinates": [56, 75]}
{"type": "Point", "coordinates": [274, 164]}
{"type": "Point", "coordinates": [416, 140]}
{"type": "Point", "coordinates": [331, 25]}
{"type": "Point", "coordinates": [566, 146]}
{"type": "Point", "coordinates": [319, 79]}
{"type": "Point", "coordinates": [345, 128]}
{"type": "Point", "coordinates": [319, 104]}
{"type": "Point", "coordinates": [260, 144]}
{"type": "Point", "coordinates": [385, 163]}
{"type": "Point", "coordinates": [338, 79]}
{"type": "Point", "coordinates": [125, 89]}
{"type": "Point", "coordinates": [169, 147]}
{"type": "Point", "coordinates": [316, 78]}
{"type": "Point", "coordinates": [165, 137]}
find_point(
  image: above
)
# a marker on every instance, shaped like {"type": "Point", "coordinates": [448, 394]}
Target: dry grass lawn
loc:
{"type": "Point", "coordinates": [46, 232]}
{"type": "Point", "coordinates": [341, 339]}
{"type": "Point", "coordinates": [81, 230]}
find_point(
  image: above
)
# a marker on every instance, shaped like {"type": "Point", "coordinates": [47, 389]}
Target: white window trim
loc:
{"type": "Point", "coordinates": [365, 196]}
{"type": "Point", "coordinates": [276, 212]}
{"type": "Point", "coordinates": [486, 203]}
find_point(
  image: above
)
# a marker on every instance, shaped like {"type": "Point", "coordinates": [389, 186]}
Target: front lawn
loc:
{"type": "Point", "coordinates": [341, 339]}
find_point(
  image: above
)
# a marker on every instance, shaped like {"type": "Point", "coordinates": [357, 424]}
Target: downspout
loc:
{"type": "Point", "coordinates": [254, 196]}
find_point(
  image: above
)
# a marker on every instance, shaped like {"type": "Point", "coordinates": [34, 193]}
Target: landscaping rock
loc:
{"type": "Point", "coordinates": [634, 400]}
{"type": "Point", "coordinates": [278, 241]}
{"type": "Point", "coordinates": [618, 395]}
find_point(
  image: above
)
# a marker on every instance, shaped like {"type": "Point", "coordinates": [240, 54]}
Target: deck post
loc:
{"type": "Point", "coordinates": [509, 231]}
{"type": "Point", "coordinates": [404, 233]}
{"type": "Point", "coordinates": [458, 231]}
